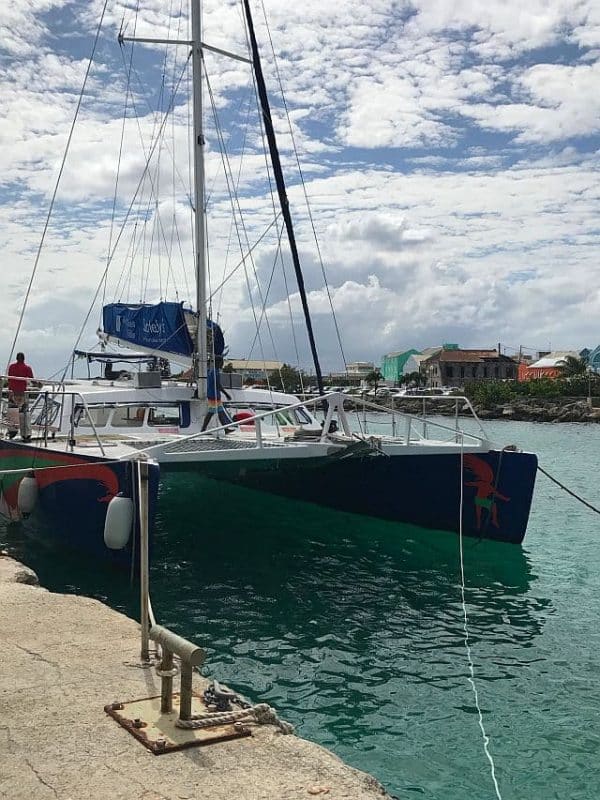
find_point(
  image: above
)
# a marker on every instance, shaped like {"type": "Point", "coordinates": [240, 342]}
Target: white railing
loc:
{"type": "Point", "coordinates": [335, 405]}
{"type": "Point", "coordinates": [56, 394]}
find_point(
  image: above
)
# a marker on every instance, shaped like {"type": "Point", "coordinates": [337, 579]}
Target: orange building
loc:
{"type": "Point", "coordinates": [546, 367]}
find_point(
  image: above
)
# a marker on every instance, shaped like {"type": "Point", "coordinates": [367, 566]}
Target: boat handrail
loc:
{"type": "Point", "coordinates": [455, 398]}
{"type": "Point", "coordinates": [62, 393]}
{"type": "Point", "coordinates": [426, 421]}
{"type": "Point", "coordinates": [333, 396]}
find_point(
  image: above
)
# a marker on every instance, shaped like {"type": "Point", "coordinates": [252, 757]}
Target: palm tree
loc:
{"type": "Point", "coordinates": [417, 379]}
{"type": "Point", "coordinates": [571, 366]}
{"type": "Point", "coordinates": [373, 377]}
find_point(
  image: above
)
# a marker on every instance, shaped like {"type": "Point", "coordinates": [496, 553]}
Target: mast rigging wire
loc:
{"type": "Point", "coordinates": [281, 189]}
{"type": "Point", "coordinates": [53, 199]}
{"type": "Point", "coordinates": [153, 191]}
{"type": "Point", "coordinates": [279, 249]}
{"type": "Point", "coordinates": [301, 174]}
{"type": "Point", "coordinates": [127, 215]}
{"type": "Point", "coordinates": [235, 202]}
{"type": "Point", "coordinates": [240, 263]}
{"type": "Point", "coordinates": [119, 159]}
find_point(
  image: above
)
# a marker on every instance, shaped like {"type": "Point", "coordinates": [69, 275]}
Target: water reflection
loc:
{"type": "Point", "coordinates": [352, 627]}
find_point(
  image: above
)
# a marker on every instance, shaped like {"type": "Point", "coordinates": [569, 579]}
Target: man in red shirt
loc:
{"type": "Point", "coordinates": [18, 373]}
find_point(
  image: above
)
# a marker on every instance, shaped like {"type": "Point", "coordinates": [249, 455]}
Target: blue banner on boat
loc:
{"type": "Point", "coordinates": [160, 326]}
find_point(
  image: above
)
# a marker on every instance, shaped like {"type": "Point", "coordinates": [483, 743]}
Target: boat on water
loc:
{"type": "Point", "coordinates": [424, 473]}
{"type": "Point", "coordinates": [82, 494]}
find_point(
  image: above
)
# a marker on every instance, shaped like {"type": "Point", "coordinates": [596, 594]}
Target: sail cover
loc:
{"type": "Point", "coordinates": [161, 327]}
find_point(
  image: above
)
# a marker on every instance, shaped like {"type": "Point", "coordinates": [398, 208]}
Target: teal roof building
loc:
{"type": "Point", "coordinates": [592, 358]}
{"type": "Point", "coordinates": [392, 365]}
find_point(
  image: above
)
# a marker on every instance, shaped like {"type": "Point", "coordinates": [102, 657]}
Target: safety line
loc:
{"type": "Point", "coordinates": [568, 491]}
{"type": "Point", "coordinates": [471, 676]}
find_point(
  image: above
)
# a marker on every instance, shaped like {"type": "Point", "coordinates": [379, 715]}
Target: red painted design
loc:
{"type": "Point", "coordinates": [486, 494]}
{"type": "Point", "coordinates": [71, 468]}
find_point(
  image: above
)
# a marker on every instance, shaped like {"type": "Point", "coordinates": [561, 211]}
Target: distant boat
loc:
{"type": "Point", "coordinates": [424, 474]}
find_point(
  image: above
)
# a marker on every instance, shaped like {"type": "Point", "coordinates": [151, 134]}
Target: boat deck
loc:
{"type": "Point", "coordinates": [213, 445]}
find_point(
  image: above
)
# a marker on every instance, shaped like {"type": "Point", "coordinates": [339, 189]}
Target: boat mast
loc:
{"type": "Point", "coordinates": [200, 358]}
{"type": "Point", "coordinates": [281, 190]}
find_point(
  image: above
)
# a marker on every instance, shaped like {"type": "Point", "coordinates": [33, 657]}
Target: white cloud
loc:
{"type": "Point", "coordinates": [449, 149]}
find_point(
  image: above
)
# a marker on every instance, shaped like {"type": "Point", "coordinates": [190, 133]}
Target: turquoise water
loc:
{"type": "Point", "coordinates": [352, 627]}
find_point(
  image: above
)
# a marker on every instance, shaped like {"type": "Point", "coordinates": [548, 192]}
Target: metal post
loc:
{"type": "Point", "coordinates": [199, 202]}
{"type": "Point", "coordinates": [46, 412]}
{"type": "Point", "coordinates": [456, 419]}
{"type": "Point", "coordinates": [185, 696]}
{"type": "Point", "coordinates": [166, 686]}
{"type": "Point", "coordinates": [393, 419]}
{"type": "Point", "coordinates": [258, 431]}
{"type": "Point", "coordinates": [72, 428]}
{"type": "Point", "coordinates": [191, 656]}
{"type": "Point", "coordinates": [143, 495]}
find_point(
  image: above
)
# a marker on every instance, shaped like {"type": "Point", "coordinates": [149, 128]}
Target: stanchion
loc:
{"type": "Point", "coordinates": [143, 500]}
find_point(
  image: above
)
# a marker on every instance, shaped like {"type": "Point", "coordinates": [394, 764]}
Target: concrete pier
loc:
{"type": "Point", "coordinates": [63, 658]}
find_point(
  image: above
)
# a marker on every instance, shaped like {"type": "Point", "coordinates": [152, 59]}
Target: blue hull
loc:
{"type": "Point", "coordinates": [422, 490]}
{"type": "Point", "coordinates": [72, 502]}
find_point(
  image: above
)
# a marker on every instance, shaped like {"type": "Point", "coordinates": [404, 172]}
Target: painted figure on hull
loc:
{"type": "Point", "coordinates": [486, 492]}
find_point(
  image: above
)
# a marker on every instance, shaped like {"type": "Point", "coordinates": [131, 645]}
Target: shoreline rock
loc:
{"type": "Point", "coordinates": [522, 409]}
{"type": "Point", "coordinates": [12, 571]}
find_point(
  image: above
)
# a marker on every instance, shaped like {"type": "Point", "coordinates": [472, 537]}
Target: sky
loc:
{"type": "Point", "coordinates": [449, 149]}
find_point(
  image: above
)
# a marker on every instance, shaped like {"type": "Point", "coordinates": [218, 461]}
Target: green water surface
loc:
{"type": "Point", "coordinates": [352, 627]}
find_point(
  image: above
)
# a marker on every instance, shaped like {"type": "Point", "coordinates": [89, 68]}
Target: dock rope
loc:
{"type": "Point", "coordinates": [568, 491]}
{"type": "Point", "coordinates": [471, 676]}
{"type": "Point", "coordinates": [261, 714]}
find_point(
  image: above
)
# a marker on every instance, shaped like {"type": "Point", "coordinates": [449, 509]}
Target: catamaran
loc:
{"type": "Point", "coordinates": [425, 473]}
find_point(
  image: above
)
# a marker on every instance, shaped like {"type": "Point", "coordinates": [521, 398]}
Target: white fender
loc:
{"type": "Point", "coordinates": [27, 495]}
{"type": "Point", "coordinates": [118, 523]}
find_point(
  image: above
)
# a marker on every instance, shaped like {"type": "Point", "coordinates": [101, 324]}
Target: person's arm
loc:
{"type": "Point", "coordinates": [33, 382]}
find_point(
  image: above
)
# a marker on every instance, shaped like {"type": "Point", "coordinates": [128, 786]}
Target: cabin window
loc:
{"type": "Point", "coordinates": [164, 415]}
{"type": "Point", "coordinates": [283, 418]}
{"type": "Point", "coordinates": [497, 372]}
{"type": "Point", "coordinates": [128, 417]}
{"type": "Point", "coordinates": [99, 416]}
{"type": "Point", "coordinates": [302, 416]}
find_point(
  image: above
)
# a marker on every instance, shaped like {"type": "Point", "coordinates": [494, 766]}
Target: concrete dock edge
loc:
{"type": "Point", "coordinates": [63, 658]}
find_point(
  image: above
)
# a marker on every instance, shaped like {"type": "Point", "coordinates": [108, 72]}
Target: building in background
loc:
{"type": "Point", "coordinates": [456, 367]}
{"type": "Point", "coordinates": [357, 370]}
{"type": "Point", "coordinates": [393, 366]}
{"type": "Point", "coordinates": [548, 366]}
{"type": "Point", "coordinates": [592, 357]}
{"type": "Point", "coordinates": [414, 362]}
{"type": "Point", "coordinates": [255, 370]}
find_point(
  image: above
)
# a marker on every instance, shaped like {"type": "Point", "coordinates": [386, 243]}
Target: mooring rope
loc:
{"type": "Point", "coordinates": [471, 676]}
{"type": "Point", "coordinates": [261, 713]}
{"type": "Point", "coordinates": [568, 491]}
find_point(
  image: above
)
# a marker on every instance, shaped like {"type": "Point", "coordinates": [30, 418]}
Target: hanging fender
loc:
{"type": "Point", "coordinates": [27, 495]}
{"type": "Point", "coordinates": [118, 523]}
